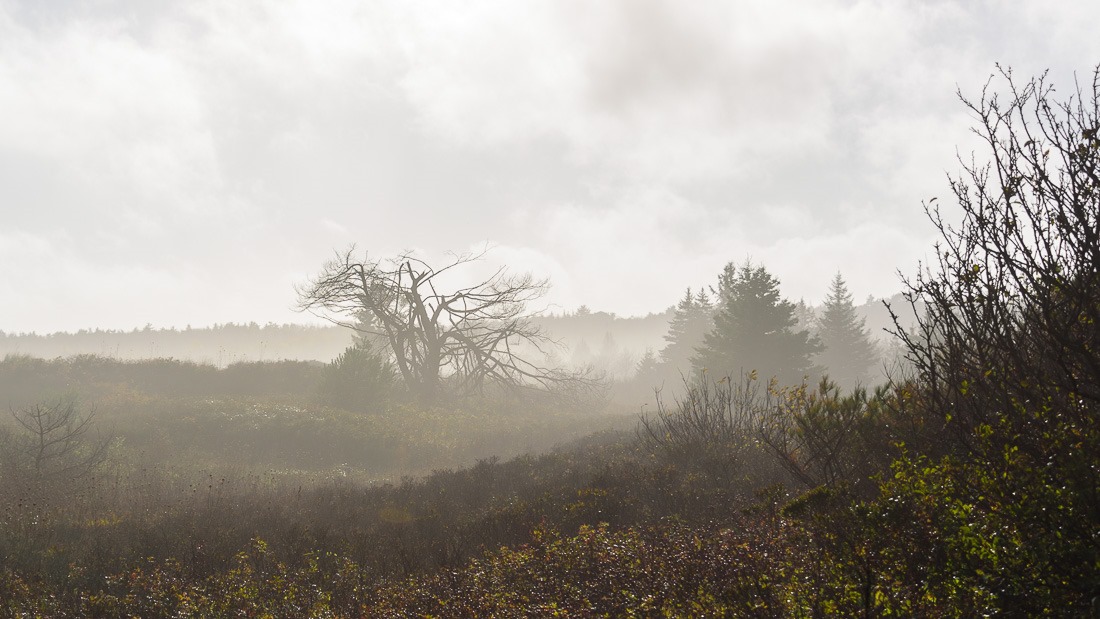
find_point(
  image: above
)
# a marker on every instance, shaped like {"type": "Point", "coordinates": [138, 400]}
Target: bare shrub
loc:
{"type": "Point", "coordinates": [51, 447]}
{"type": "Point", "coordinates": [712, 425]}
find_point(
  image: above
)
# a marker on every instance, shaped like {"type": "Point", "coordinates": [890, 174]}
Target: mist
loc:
{"type": "Point", "coordinates": [638, 308]}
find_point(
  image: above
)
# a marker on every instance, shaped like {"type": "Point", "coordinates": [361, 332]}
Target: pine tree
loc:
{"type": "Point", "coordinates": [849, 352]}
{"type": "Point", "coordinates": [755, 330]}
{"type": "Point", "coordinates": [360, 379]}
{"type": "Point", "coordinates": [689, 325]}
{"type": "Point", "coordinates": [805, 316]}
{"type": "Point", "coordinates": [648, 369]}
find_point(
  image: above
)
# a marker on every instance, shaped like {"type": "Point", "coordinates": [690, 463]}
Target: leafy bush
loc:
{"type": "Point", "coordinates": [1007, 355]}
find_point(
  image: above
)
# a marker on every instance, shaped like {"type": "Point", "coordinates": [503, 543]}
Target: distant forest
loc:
{"type": "Point", "coordinates": [603, 340]}
{"type": "Point", "coordinates": [219, 345]}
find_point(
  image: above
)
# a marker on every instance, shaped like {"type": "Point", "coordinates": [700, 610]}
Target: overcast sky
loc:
{"type": "Point", "coordinates": [184, 163]}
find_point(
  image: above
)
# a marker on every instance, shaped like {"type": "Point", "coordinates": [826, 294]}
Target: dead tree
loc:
{"type": "Point", "coordinates": [52, 450]}
{"type": "Point", "coordinates": [459, 342]}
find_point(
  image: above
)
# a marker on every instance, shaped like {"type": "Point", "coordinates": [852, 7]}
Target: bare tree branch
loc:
{"type": "Point", "coordinates": [459, 341]}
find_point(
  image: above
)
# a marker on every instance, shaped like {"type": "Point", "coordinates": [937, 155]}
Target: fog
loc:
{"type": "Point", "coordinates": [557, 308]}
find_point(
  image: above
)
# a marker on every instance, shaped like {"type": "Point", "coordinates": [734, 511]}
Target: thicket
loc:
{"type": "Point", "coordinates": [1007, 358]}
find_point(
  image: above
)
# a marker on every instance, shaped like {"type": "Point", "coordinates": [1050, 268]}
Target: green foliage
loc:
{"type": "Point", "coordinates": [1006, 356]}
{"type": "Point", "coordinates": [825, 437]}
{"type": "Point", "coordinates": [986, 540]}
{"type": "Point", "coordinates": [25, 380]}
{"type": "Point", "coordinates": [754, 330]}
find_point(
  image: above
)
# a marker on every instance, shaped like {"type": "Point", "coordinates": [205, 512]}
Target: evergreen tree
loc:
{"type": "Point", "coordinates": [689, 325]}
{"type": "Point", "coordinates": [648, 369]}
{"type": "Point", "coordinates": [360, 379]}
{"type": "Point", "coordinates": [849, 352]}
{"type": "Point", "coordinates": [805, 316]}
{"type": "Point", "coordinates": [755, 330]}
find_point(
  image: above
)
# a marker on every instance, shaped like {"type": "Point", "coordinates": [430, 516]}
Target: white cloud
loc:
{"type": "Point", "coordinates": [638, 256]}
{"type": "Point", "coordinates": [114, 116]}
{"type": "Point", "coordinates": [661, 90]}
{"type": "Point", "coordinates": [626, 148]}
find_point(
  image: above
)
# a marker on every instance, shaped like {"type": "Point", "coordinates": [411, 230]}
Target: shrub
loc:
{"type": "Point", "coordinates": [360, 379]}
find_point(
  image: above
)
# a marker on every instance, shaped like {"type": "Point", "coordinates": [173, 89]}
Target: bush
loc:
{"type": "Point", "coordinates": [1007, 355]}
{"type": "Point", "coordinates": [360, 379]}
{"type": "Point", "coordinates": [712, 428]}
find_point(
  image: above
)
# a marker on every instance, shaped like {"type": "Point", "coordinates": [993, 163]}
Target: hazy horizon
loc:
{"type": "Point", "coordinates": [308, 320]}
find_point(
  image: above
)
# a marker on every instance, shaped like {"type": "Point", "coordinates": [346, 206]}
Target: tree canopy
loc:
{"type": "Point", "coordinates": [849, 351]}
{"type": "Point", "coordinates": [691, 320]}
{"type": "Point", "coordinates": [755, 329]}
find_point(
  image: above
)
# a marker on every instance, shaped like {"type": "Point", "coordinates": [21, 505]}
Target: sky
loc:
{"type": "Point", "coordinates": [189, 162]}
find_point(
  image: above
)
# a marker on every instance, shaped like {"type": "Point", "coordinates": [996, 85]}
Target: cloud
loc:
{"type": "Point", "coordinates": [634, 256]}
{"type": "Point", "coordinates": [640, 88]}
{"type": "Point", "coordinates": [638, 255]}
{"type": "Point", "coordinates": [55, 286]}
{"type": "Point", "coordinates": [115, 117]}
{"type": "Point", "coordinates": [74, 288]}
{"type": "Point", "coordinates": [626, 148]}
{"type": "Point", "coordinates": [716, 91]}
{"type": "Point", "coordinates": [334, 228]}
{"type": "Point", "coordinates": [659, 90]}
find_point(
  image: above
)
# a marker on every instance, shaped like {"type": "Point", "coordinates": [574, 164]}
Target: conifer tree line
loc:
{"type": "Point", "coordinates": [744, 326]}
